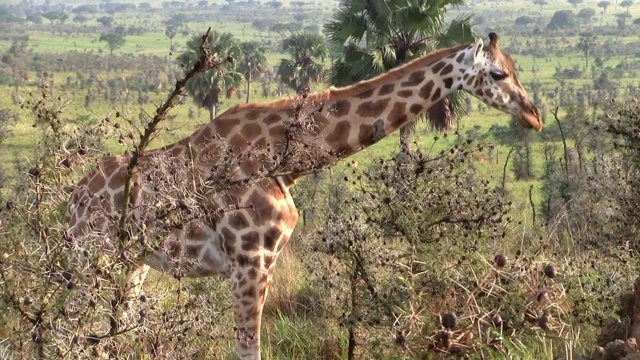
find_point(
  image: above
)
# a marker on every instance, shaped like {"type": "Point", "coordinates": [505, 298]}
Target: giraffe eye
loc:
{"type": "Point", "coordinates": [498, 75]}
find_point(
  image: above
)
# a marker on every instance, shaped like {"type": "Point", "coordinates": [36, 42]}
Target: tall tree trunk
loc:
{"type": "Point", "coordinates": [212, 111]}
{"type": "Point", "coordinates": [248, 86]}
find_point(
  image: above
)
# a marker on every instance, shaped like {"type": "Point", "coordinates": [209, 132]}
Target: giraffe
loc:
{"type": "Point", "coordinates": [242, 244]}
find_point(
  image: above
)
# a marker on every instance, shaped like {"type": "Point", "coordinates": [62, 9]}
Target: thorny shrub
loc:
{"type": "Point", "coordinates": [420, 256]}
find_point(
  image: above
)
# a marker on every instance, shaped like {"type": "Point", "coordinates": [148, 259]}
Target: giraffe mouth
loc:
{"type": "Point", "coordinates": [531, 119]}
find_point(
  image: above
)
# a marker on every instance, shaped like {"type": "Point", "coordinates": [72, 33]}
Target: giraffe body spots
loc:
{"type": "Point", "coordinates": [436, 95]}
{"type": "Point", "coordinates": [338, 138]}
{"type": "Point", "coordinates": [272, 119]}
{"type": "Point", "coordinates": [425, 91]}
{"type": "Point", "coordinates": [271, 237]}
{"type": "Point", "coordinates": [416, 108]}
{"type": "Point", "coordinates": [261, 208]}
{"type": "Point", "coordinates": [238, 221]}
{"type": "Point", "coordinates": [460, 57]}
{"type": "Point", "coordinates": [250, 241]}
{"type": "Point", "coordinates": [372, 108]}
{"type": "Point", "coordinates": [365, 94]}
{"type": "Point", "coordinates": [252, 115]}
{"type": "Point", "coordinates": [405, 93]}
{"type": "Point", "coordinates": [448, 82]}
{"type": "Point", "coordinates": [251, 131]}
{"type": "Point", "coordinates": [437, 67]}
{"type": "Point", "coordinates": [386, 89]}
{"type": "Point", "coordinates": [342, 108]}
{"type": "Point", "coordinates": [398, 114]}
{"type": "Point", "coordinates": [446, 70]}
{"type": "Point", "coordinates": [223, 126]}
{"type": "Point", "coordinates": [415, 78]}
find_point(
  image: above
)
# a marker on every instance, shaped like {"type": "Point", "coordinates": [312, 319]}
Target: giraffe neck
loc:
{"type": "Point", "coordinates": [345, 120]}
{"type": "Point", "coordinates": [371, 110]}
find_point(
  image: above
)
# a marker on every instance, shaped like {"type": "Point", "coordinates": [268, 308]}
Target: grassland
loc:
{"type": "Point", "coordinates": [285, 340]}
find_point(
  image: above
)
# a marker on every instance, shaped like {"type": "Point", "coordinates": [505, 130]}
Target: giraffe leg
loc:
{"type": "Point", "coordinates": [249, 290]}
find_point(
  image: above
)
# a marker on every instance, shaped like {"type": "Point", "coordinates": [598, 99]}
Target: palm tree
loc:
{"type": "Point", "coordinates": [253, 62]}
{"type": "Point", "coordinates": [308, 52]}
{"type": "Point", "coordinates": [374, 36]}
{"type": "Point", "coordinates": [207, 88]}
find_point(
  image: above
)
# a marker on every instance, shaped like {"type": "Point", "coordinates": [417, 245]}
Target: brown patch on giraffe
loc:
{"type": "Point", "coordinates": [460, 58]}
{"type": "Point", "coordinates": [372, 108]}
{"type": "Point", "coordinates": [471, 79]}
{"type": "Point", "coordinates": [365, 135]}
{"type": "Point", "coordinates": [479, 79]}
{"type": "Point", "coordinates": [97, 183]}
{"type": "Point", "coordinates": [238, 221]}
{"type": "Point", "coordinates": [341, 108]}
{"type": "Point", "coordinates": [224, 126]}
{"type": "Point", "coordinates": [437, 67]}
{"type": "Point", "coordinates": [480, 92]}
{"type": "Point", "coordinates": [205, 135]}
{"type": "Point", "coordinates": [338, 138]}
{"type": "Point", "coordinates": [229, 240]}
{"type": "Point", "coordinates": [117, 179]}
{"type": "Point", "coordinates": [175, 150]}
{"type": "Point", "coordinates": [320, 121]}
{"type": "Point", "coordinates": [251, 131]}
{"type": "Point", "coordinates": [192, 251]}
{"type": "Point", "coordinates": [386, 89]}
{"type": "Point", "coordinates": [425, 91]}
{"type": "Point", "coordinates": [252, 115]}
{"type": "Point", "coordinates": [416, 108]}
{"type": "Point", "coordinates": [405, 93]}
{"type": "Point", "coordinates": [489, 93]}
{"type": "Point", "coordinates": [250, 241]}
{"type": "Point", "coordinates": [249, 292]}
{"type": "Point", "coordinates": [272, 119]}
{"type": "Point", "coordinates": [250, 166]}
{"type": "Point", "coordinates": [268, 261]}
{"type": "Point", "coordinates": [398, 114]}
{"type": "Point", "coordinates": [262, 209]}
{"type": "Point", "coordinates": [448, 82]}
{"type": "Point", "coordinates": [238, 143]}
{"type": "Point", "coordinates": [465, 76]}
{"type": "Point", "coordinates": [415, 78]}
{"type": "Point", "coordinates": [278, 132]}
{"type": "Point", "coordinates": [252, 273]}
{"type": "Point", "coordinates": [172, 249]}
{"type": "Point", "coordinates": [436, 95]}
{"type": "Point", "coordinates": [271, 238]}
{"type": "Point", "coordinates": [118, 200]}
{"type": "Point", "coordinates": [365, 94]}
{"type": "Point", "coordinates": [243, 260]}
{"type": "Point", "coordinates": [197, 233]}
{"type": "Point", "coordinates": [446, 70]}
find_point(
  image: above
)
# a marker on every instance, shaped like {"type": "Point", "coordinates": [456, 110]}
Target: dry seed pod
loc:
{"type": "Point", "coordinates": [550, 271]}
{"type": "Point", "coordinates": [449, 321]}
{"type": "Point", "coordinates": [541, 295]}
{"type": "Point", "coordinates": [500, 261]}
{"type": "Point", "coordinates": [543, 320]}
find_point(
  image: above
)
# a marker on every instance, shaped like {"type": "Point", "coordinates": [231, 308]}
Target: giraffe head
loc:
{"type": "Point", "coordinates": [492, 78]}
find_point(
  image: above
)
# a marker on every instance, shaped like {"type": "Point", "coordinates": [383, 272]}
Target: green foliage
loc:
{"type": "Point", "coordinates": [308, 52]}
{"type": "Point", "coordinates": [208, 88]}
{"type": "Point", "coordinates": [525, 20]}
{"type": "Point", "coordinates": [562, 19]}
{"type": "Point", "coordinates": [114, 40]}
{"type": "Point", "coordinates": [586, 13]}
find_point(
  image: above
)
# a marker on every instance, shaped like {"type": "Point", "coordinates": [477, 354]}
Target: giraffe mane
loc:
{"type": "Point", "coordinates": [332, 93]}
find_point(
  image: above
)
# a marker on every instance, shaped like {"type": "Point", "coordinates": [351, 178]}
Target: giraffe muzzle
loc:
{"type": "Point", "coordinates": [530, 119]}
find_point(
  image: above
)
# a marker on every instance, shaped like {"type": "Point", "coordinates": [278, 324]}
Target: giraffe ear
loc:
{"type": "Point", "coordinates": [476, 56]}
